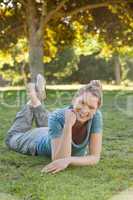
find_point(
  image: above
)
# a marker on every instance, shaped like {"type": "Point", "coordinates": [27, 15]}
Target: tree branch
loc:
{"type": "Point", "coordinates": [13, 29]}
{"type": "Point", "coordinates": [44, 13]}
{"type": "Point", "coordinates": [45, 18]}
{"type": "Point", "coordinates": [23, 3]}
{"type": "Point", "coordinates": [89, 7]}
{"type": "Point", "coordinates": [31, 17]}
{"type": "Point", "coordinates": [53, 12]}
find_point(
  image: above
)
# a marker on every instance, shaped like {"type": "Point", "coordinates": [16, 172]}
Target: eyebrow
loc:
{"type": "Point", "coordinates": [92, 107]}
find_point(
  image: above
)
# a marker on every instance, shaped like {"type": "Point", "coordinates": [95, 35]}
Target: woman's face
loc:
{"type": "Point", "coordinates": [85, 106]}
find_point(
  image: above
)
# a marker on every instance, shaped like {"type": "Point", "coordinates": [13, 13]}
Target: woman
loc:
{"type": "Point", "coordinates": [65, 134]}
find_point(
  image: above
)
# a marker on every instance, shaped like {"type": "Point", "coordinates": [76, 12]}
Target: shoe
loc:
{"type": "Point", "coordinates": [31, 91]}
{"type": "Point", "coordinates": [34, 101]}
{"type": "Point", "coordinates": [40, 86]}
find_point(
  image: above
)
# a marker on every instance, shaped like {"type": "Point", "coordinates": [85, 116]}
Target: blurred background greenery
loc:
{"type": "Point", "coordinates": [70, 41]}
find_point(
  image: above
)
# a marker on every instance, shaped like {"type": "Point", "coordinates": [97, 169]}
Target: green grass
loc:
{"type": "Point", "coordinates": [20, 175]}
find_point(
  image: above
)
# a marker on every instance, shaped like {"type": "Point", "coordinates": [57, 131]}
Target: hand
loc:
{"type": "Point", "coordinates": [56, 166]}
{"type": "Point", "coordinates": [70, 117]}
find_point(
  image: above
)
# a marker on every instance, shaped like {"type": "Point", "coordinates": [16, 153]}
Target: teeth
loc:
{"type": "Point", "coordinates": [82, 116]}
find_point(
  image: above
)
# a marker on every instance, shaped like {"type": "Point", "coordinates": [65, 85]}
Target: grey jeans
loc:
{"type": "Point", "coordinates": [21, 137]}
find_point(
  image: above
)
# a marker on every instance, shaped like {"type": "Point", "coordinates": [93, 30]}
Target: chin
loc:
{"type": "Point", "coordinates": [81, 120]}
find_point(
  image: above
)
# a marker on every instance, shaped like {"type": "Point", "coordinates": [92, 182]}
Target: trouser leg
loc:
{"type": "Point", "coordinates": [22, 122]}
{"type": "Point", "coordinates": [41, 116]}
{"type": "Point", "coordinates": [21, 137]}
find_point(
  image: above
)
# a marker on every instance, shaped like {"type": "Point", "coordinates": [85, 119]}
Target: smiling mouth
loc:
{"type": "Point", "coordinates": [83, 117]}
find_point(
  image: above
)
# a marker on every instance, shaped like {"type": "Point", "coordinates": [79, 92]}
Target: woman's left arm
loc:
{"type": "Point", "coordinates": [95, 148]}
{"type": "Point", "coordinates": [93, 158]}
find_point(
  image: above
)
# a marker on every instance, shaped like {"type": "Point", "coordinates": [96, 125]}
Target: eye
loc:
{"type": "Point", "coordinates": [82, 102]}
{"type": "Point", "coordinates": [91, 108]}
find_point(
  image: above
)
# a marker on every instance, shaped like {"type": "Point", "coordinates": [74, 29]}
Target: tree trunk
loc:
{"type": "Point", "coordinates": [35, 41]}
{"type": "Point", "coordinates": [23, 73]}
{"type": "Point", "coordinates": [117, 69]}
{"type": "Point", "coordinates": [36, 56]}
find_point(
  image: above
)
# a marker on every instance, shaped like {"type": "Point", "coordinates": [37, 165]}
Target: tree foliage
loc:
{"type": "Point", "coordinates": [51, 25]}
{"type": "Point", "coordinates": [111, 19]}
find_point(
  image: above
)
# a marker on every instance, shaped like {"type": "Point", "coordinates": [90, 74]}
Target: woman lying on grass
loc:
{"type": "Point", "coordinates": [64, 135]}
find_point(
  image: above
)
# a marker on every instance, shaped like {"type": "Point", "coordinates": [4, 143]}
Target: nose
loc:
{"type": "Point", "coordinates": [84, 111]}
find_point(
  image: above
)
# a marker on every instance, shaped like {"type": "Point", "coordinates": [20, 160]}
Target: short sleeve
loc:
{"type": "Point", "coordinates": [97, 123]}
{"type": "Point", "coordinates": [55, 126]}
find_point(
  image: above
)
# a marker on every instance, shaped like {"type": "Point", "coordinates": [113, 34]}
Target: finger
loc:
{"type": "Point", "coordinates": [44, 170]}
{"type": "Point", "coordinates": [73, 112]}
{"type": "Point", "coordinates": [57, 170]}
{"type": "Point", "coordinates": [51, 169]}
{"type": "Point", "coordinates": [48, 169]}
{"type": "Point", "coordinates": [49, 165]}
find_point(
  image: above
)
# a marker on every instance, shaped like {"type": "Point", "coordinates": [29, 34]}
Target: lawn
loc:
{"type": "Point", "coordinates": [20, 175]}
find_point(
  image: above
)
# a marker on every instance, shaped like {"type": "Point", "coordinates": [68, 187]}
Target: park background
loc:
{"type": "Point", "coordinates": [71, 42]}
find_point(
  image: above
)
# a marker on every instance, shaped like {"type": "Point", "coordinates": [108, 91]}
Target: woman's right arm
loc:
{"type": "Point", "coordinates": [61, 146]}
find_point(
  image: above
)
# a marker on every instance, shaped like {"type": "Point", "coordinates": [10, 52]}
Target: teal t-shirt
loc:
{"type": "Point", "coordinates": [56, 122]}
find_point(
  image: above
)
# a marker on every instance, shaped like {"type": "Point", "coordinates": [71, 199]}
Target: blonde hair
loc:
{"type": "Point", "coordinates": [95, 88]}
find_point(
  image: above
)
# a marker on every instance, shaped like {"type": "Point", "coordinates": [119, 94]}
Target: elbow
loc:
{"type": "Point", "coordinates": [95, 160]}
